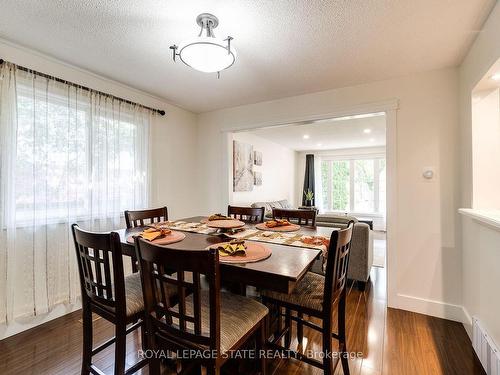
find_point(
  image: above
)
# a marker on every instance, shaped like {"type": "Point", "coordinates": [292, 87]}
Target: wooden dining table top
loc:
{"type": "Point", "coordinates": [280, 272]}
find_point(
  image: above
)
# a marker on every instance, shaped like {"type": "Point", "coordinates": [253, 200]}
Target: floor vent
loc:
{"type": "Point", "coordinates": [485, 348]}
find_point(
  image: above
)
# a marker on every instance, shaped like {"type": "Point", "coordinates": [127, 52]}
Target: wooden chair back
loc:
{"type": "Point", "coordinates": [100, 265]}
{"type": "Point", "coordinates": [337, 265]}
{"type": "Point", "coordinates": [143, 217]}
{"type": "Point", "coordinates": [179, 328]}
{"type": "Point", "coordinates": [301, 217]}
{"type": "Point", "coordinates": [247, 214]}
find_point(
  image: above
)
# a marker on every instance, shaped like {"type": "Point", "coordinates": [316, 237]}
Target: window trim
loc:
{"type": "Point", "coordinates": [376, 157]}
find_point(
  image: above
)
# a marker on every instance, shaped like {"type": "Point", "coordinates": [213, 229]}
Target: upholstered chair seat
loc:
{"type": "Point", "coordinates": [307, 293]}
{"type": "Point", "coordinates": [238, 315]}
{"type": "Point", "coordinates": [133, 294]}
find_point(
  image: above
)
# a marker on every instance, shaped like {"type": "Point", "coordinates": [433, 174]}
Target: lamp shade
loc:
{"type": "Point", "coordinates": [207, 54]}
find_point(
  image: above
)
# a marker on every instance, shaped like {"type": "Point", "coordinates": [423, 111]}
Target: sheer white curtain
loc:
{"type": "Point", "coordinates": [67, 155]}
{"type": "Point", "coordinates": [318, 183]}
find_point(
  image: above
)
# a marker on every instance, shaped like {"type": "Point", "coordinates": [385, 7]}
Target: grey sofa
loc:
{"type": "Point", "coordinates": [361, 258]}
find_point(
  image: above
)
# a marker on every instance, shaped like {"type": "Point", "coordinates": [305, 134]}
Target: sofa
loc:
{"type": "Point", "coordinates": [361, 258]}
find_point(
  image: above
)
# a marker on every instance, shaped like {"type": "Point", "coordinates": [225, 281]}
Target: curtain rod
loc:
{"type": "Point", "coordinates": [159, 111]}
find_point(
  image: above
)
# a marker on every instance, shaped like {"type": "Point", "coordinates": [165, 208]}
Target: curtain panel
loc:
{"type": "Point", "coordinates": [67, 155]}
{"type": "Point", "coordinates": [309, 180]}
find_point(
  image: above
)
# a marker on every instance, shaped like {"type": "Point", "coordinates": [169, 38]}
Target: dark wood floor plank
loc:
{"type": "Point", "coordinates": [392, 342]}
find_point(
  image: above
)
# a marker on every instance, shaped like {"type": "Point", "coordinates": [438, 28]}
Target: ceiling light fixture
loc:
{"type": "Point", "coordinates": [305, 136]}
{"type": "Point", "coordinates": [496, 77]}
{"type": "Point", "coordinates": [206, 53]}
{"type": "Point", "coordinates": [367, 131]}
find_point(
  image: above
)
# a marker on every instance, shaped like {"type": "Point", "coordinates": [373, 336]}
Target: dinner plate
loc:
{"type": "Point", "coordinates": [254, 252]}
{"type": "Point", "coordinates": [173, 237]}
{"type": "Point", "coordinates": [225, 224]}
{"type": "Point", "coordinates": [284, 228]}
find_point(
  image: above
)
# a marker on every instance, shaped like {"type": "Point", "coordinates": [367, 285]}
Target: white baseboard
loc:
{"type": "Point", "coordinates": [467, 322]}
{"type": "Point", "coordinates": [438, 309]}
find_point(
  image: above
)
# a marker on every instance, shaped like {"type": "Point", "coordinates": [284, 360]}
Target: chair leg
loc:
{"type": "Point", "coordinates": [154, 362]}
{"type": "Point", "coordinates": [87, 340]}
{"type": "Point", "coordinates": [134, 265]}
{"type": "Point", "coordinates": [327, 349]}
{"type": "Point", "coordinates": [300, 329]}
{"type": "Point", "coordinates": [213, 370]}
{"type": "Point", "coordinates": [279, 321]}
{"type": "Point", "coordinates": [144, 336]}
{"type": "Point", "coordinates": [260, 346]}
{"type": "Point", "coordinates": [288, 326]}
{"type": "Point", "coordinates": [342, 335]}
{"type": "Point", "coordinates": [120, 348]}
{"type": "Point", "coordinates": [154, 366]}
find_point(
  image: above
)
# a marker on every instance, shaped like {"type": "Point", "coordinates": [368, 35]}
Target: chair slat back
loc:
{"type": "Point", "coordinates": [144, 217]}
{"type": "Point", "coordinates": [337, 265]}
{"type": "Point", "coordinates": [161, 267]}
{"type": "Point", "coordinates": [247, 214]}
{"type": "Point", "coordinates": [100, 265]}
{"type": "Point", "coordinates": [302, 217]}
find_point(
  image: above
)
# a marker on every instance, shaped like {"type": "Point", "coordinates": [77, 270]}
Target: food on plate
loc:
{"type": "Point", "coordinates": [233, 247]}
{"type": "Point", "coordinates": [315, 240]}
{"type": "Point", "coordinates": [277, 223]}
{"type": "Point", "coordinates": [218, 217]}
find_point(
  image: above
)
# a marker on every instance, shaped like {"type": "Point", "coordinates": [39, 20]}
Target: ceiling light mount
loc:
{"type": "Point", "coordinates": [206, 53]}
{"type": "Point", "coordinates": [207, 22]}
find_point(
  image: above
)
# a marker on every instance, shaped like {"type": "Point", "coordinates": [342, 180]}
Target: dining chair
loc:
{"type": "Point", "coordinates": [301, 217]}
{"type": "Point", "coordinates": [246, 214]}
{"type": "Point", "coordinates": [206, 321]}
{"type": "Point", "coordinates": [140, 218]}
{"type": "Point", "coordinates": [108, 293]}
{"type": "Point", "coordinates": [318, 296]}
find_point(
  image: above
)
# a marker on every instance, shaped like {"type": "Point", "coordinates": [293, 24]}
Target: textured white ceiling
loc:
{"type": "Point", "coordinates": [329, 134]}
{"type": "Point", "coordinates": [284, 47]}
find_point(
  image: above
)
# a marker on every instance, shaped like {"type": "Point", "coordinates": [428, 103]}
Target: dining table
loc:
{"type": "Point", "coordinates": [280, 272]}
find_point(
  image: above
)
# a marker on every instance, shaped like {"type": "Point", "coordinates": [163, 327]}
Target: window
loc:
{"type": "Point", "coordinates": [77, 155]}
{"type": "Point", "coordinates": [353, 185]}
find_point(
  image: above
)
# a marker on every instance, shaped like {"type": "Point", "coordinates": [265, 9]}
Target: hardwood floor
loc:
{"type": "Point", "coordinates": [391, 341]}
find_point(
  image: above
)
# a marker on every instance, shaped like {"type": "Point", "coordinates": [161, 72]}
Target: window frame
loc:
{"type": "Point", "coordinates": [23, 90]}
{"type": "Point", "coordinates": [376, 157]}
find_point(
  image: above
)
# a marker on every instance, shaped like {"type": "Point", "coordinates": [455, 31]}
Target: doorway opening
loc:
{"type": "Point", "coordinates": [349, 163]}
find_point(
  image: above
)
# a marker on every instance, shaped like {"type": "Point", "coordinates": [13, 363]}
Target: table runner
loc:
{"type": "Point", "coordinates": [282, 238]}
{"type": "Point", "coordinates": [250, 234]}
{"type": "Point", "coordinates": [194, 227]}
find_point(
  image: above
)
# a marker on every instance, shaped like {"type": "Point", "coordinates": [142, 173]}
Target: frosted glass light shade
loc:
{"type": "Point", "coordinates": [206, 54]}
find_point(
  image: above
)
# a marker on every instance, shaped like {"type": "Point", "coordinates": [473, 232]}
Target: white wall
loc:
{"type": "Point", "coordinates": [486, 150]}
{"type": "Point", "coordinates": [173, 149]}
{"type": "Point", "coordinates": [427, 272]}
{"type": "Point", "coordinates": [278, 171]}
{"type": "Point", "coordinates": [480, 243]}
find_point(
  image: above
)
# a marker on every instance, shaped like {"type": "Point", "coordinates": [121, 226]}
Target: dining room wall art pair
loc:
{"type": "Point", "coordinates": [244, 159]}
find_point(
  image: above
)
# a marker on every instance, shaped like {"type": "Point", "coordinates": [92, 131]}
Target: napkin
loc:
{"type": "Point", "coordinates": [234, 247]}
{"type": "Point", "coordinates": [151, 234]}
{"type": "Point", "coordinates": [315, 240]}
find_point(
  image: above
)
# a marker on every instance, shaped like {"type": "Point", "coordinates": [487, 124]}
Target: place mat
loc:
{"type": "Point", "coordinates": [254, 253]}
{"type": "Point", "coordinates": [284, 228]}
{"type": "Point", "coordinates": [281, 238]}
{"type": "Point", "coordinates": [193, 227]}
{"type": "Point", "coordinates": [172, 237]}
